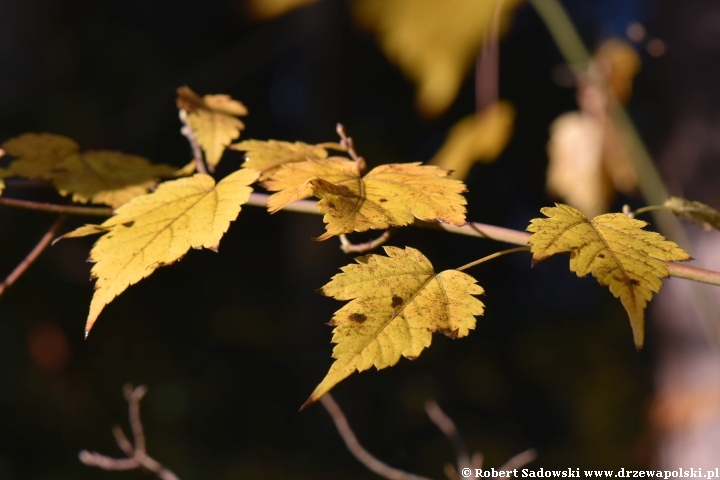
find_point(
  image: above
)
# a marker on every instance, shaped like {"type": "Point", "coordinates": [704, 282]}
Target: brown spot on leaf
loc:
{"type": "Point", "coordinates": [358, 317]}
{"type": "Point", "coordinates": [128, 224]}
{"type": "Point", "coordinates": [601, 255]}
{"type": "Point", "coordinates": [396, 301]}
{"type": "Point", "coordinates": [634, 282]}
{"type": "Point", "coordinates": [383, 200]}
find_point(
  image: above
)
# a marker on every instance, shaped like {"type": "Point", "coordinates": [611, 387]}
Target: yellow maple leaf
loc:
{"type": "Point", "coordinates": [434, 42]}
{"type": "Point", "coordinates": [213, 121]}
{"type": "Point", "coordinates": [268, 156]}
{"type": "Point", "coordinates": [478, 137]}
{"type": "Point", "coordinates": [159, 228]}
{"type": "Point", "coordinates": [267, 9]}
{"type": "Point", "coordinates": [614, 249]}
{"type": "Point", "coordinates": [397, 302]}
{"type": "Point", "coordinates": [112, 178]}
{"type": "Point", "coordinates": [389, 195]}
{"type": "Point", "coordinates": [698, 213]}
{"type": "Point", "coordinates": [37, 154]}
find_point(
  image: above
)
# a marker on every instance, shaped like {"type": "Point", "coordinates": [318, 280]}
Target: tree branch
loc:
{"type": "Point", "coordinates": [137, 456]}
{"type": "Point", "coordinates": [51, 207]}
{"type": "Point", "coordinates": [365, 457]}
{"type": "Point", "coordinates": [499, 234]}
{"type": "Point", "coordinates": [347, 247]}
{"type": "Point", "coordinates": [34, 253]}
{"type": "Point", "coordinates": [447, 426]}
{"type": "Point", "coordinates": [188, 133]}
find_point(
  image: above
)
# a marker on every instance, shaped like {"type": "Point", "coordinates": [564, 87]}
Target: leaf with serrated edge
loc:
{"type": "Point", "coordinates": [389, 195]}
{"type": "Point", "coordinates": [268, 156]}
{"type": "Point", "coordinates": [698, 213]}
{"type": "Point", "coordinates": [212, 119]}
{"type": "Point", "coordinates": [110, 178]}
{"type": "Point", "coordinates": [38, 154]}
{"type": "Point", "coordinates": [397, 302]}
{"type": "Point", "coordinates": [614, 249]}
{"type": "Point", "coordinates": [159, 228]}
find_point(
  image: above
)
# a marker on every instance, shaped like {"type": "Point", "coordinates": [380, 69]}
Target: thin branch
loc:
{"type": "Point", "coordinates": [488, 64]}
{"type": "Point", "coordinates": [347, 143]}
{"type": "Point", "coordinates": [447, 426]}
{"type": "Point", "coordinates": [137, 456]}
{"type": "Point", "coordinates": [188, 133]}
{"type": "Point", "coordinates": [365, 457]}
{"type": "Point", "coordinates": [499, 234]}
{"type": "Point", "coordinates": [51, 207]}
{"type": "Point", "coordinates": [34, 253]}
{"type": "Point", "coordinates": [347, 247]}
{"type": "Point", "coordinates": [520, 460]}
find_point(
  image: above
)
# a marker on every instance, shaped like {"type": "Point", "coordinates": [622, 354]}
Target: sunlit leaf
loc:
{"type": "Point", "coordinates": [479, 137]}
{"type": "Point", "coordinates": [698, 213]}
{"type": "Point", "coordinates": [434, 42]}
{"type": "Point", "coordinates": [396, 304]}
{"type": "Point", "coordinates": [159, 228]}
{"type": "Point", "coordinates": [268, 156]}
{"type": "Point", "coordinates": [614, 249]}
{"type": "Point", "coordinates": [213, 121]}
{"type": "Point", "coordinates": [389, 195]}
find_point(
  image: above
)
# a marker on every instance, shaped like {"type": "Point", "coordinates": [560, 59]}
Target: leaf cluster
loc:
{"type": "Point", "coordinates": [395, 301]}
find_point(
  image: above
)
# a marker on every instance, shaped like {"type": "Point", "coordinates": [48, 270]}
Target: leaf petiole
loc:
{"type": "Point", "coordinates": [649, 208]}
{"type": "Point", "coordinates": [494, 255]}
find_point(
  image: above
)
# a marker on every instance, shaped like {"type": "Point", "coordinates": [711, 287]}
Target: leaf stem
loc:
{"type": "Point", "coordinates": [51, 207]}
{"type": "Point", "coordinates": [34, 253]}
{"type": "Point", "coordinates": [649, 208]}
{"type": "Point", "coordinates": [332, 146]}
{"type": "Point", "coordinates": [498, 234]}
{"type": "Point", "coordinates": [494, 255]}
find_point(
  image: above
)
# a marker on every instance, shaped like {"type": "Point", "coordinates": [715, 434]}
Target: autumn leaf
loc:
{"type": "Point", "coordinates": [614, 249]}
{"type": "Point", "coordinates": [696, 212]}
{"type": "Point", "coordinates": [478, 137]}
{"type": "Point", "coordinates": [38, 154]}
{"type": "Point", "coordinates": [103, 177]}
{"type": "Point", "coordinates": [575, 172]}
{"type": "Point", "coordinates": [396, 304]}
{"type": "Point", "coordinates": [588, 157]}
{"type": "Point", "coordinates": [268, 156]}
{"type": "Point", "coordinates": [213, 121]}
{"type": "Point", "coordinates": [389, 195]}
{"type": "Point", "coordinates": [267, 9]}
{"type": "Point", "coordinates": [433, 42]}
{"type": "Point", "coordinates": [2, 185]}
{"type": "Point", "coordinates": [111, 178]}
{"type": "Point", "coordinates": [159, 228]}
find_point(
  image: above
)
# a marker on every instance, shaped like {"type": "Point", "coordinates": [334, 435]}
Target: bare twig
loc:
{"type": "Point", "coordinates": [520, 460]}
{"type": "Point", "coordinates": [347, 143]}
{"type": "Point", "coordinates": [499, 234]}
{"type": "Point", "coordinates": [487, 65]}
{"type": "Point", "coordinates": [348, 247]}
{"type": "Point", "coordinates": [137, 456]}
{"type": "Point", "coordinates": [188, 133]}
{"type": "Point", "coordinates": [365, 457]}
{"type": "Point", "coordinates": [51, 207]}
{"type": "Point", "coordinates": [447, 426]}
{"type": "Point", "coordinates": [34, 253]}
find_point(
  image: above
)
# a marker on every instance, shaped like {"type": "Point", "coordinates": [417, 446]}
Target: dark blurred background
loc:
{"type": "Point", "coordinates": [230, 344]}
